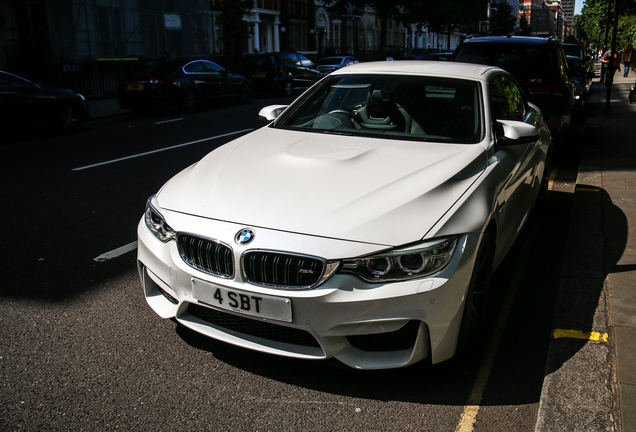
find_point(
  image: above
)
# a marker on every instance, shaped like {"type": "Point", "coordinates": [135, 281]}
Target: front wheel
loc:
{"type": "Point", "coordinates": [190, 102]}
{"type": "Point", "coordinates": [476, 302]}
{"type": "Point", "coordinates": [545, 182]}
{"type": "Point", "coordinates": [288, 89]}
{"type": "Point", "coordinates": [245, 94]}
{"type": "Point", "coordinates": [67, 120]}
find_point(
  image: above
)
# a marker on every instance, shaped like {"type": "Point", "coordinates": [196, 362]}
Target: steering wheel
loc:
{"type": "Point", "coordinates": [356, 120]}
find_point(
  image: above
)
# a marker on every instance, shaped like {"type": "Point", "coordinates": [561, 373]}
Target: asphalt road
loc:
{"type": "Point", "coordinates": [81, 350]}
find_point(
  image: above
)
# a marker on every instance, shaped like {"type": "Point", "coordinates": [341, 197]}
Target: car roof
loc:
{"type": "Point", "coordinates": [511, 39]}
{"type": "Point", "coordinates": [409, 67]}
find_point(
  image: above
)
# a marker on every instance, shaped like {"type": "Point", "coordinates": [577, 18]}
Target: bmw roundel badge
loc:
{"type": "Point", "coordinates": [244, 236]}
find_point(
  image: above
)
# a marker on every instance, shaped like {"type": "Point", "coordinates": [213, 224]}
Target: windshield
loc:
{"type": "Point", "coordinates": [329, 61]}
{"type": "Point", "coordinates": [390, 106]}
{"type": "Point", "coordinates": [528, 63]}
{"type": "Point", "coordinates": [574, 50]}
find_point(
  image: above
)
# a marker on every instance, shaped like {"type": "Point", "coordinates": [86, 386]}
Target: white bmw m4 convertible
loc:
{"type": "Point", "coordinates": [363, 223]}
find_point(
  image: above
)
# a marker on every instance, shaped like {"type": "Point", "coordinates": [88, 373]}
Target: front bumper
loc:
{"type": "Point", "coordinates": [365, 326]}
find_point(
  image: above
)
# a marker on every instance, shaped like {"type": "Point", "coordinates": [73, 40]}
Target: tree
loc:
{"type": "Point", "coordinates": [235, 31]}
{"type": "Point", "coordinates": [439, 16]}
{"type": "Point", "coordinates": [524, 27]}
{"type": "Point", "coordinates": [593, 23]}
{"type": "Point", "coordinates": [503, 20]}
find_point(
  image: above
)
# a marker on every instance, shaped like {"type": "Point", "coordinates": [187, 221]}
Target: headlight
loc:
{"type": "Point", "coordinates": [413, 262]}
{"type": "Point", "coordinates": [156, 223]}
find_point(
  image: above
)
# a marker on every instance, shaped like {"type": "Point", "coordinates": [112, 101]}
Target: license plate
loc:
{"type": "Point", "coordinates": [135, 87]}
{"type": "Point", "coordinates": [247, 303]}
{"type": "Point", "coordinates": [260, 75]}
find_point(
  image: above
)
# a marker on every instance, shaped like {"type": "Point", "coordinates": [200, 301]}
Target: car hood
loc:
{"type": "Point", "coordinates": [45, 91]}
{"type": "Point", "coordinates": [353, 188]}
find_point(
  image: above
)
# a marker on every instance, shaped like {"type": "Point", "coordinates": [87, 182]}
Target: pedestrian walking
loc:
{"type": "Point", "coordinates": [612, 62]}
{"type": "Point", "coordinates": [626, 58]}
{"type": "Point", "coordinates": [601, 54]}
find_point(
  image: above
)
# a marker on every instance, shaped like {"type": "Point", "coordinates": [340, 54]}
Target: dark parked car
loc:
{"type": "Point", "coordinates": [579, 52]}
{"type": "Point", "coordinates": [282, 72]}
{"type": "Point", "coordinates": [539, 66]}
{"type": "Point", "coordinates": [326, 65]}
{"type": "Point", "coordinates": [184, 84]}
{"type": "Point", "coordinates": [582, 79]}
{"type": "Point", "coordinates": [27, 105]}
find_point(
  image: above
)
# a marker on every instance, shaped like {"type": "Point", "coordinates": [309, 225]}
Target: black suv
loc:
{"type": "Point", "coordinates": [281, 72]}
{"type": "Point", "coordinates": [538, 64]}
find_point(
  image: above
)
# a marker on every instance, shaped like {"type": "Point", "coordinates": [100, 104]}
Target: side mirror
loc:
{"type": "Point", "coordinates": [510, 132]}
{"type": "Point", "coordinates": [31, 88]}
{"type": "Point", "coordinates": [591, 75]}
{"type": "Point", "coordinates": [271, 112]}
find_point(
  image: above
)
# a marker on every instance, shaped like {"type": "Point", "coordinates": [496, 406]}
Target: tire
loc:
{"type": "Point", "coordinates": [288, 89]}
{"type": "Point", "coordinates": [245, 95]}
{"type": "Point", "coordinates": [190, 102]}
{"type": "Point", "coordinates": [539, 204]}
{"type": "Point", "coordinates": [67, 120]}
{"type": "Point", "coordinates": [476, 304]}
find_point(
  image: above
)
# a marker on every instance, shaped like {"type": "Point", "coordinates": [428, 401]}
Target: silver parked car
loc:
{"type": "Point", "coordinates": [326, 65]}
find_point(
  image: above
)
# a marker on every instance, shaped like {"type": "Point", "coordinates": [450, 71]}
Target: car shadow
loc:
{"type": "Point", "coordinates": [560, 248]}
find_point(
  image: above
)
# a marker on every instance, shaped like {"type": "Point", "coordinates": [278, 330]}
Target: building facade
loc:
{"type": "Point", "coordinates": [86, 45]}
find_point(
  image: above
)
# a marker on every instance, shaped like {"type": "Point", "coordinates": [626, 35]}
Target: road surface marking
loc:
{"type": "Point", "coordinates": [578, 334]}
{"type": "Point", "coordinates": [169, 121]}
{"type": "Point", "coordinates": [469, 416]}
{"type": "Point", "coordinates": [160, 150]}
{"type": "Point", "coordinates": [116, 252]}
{"type": "Point", "coordinates": [587, 189]}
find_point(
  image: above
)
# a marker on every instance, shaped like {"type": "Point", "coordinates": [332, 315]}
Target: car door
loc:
{"type": "Point", "coordinates": [307, 74]}
{"type": "Point", "coordinates": [225, 85]}
{"type": "Point", "coordinates": [19, 105]}
{"type": "Point", "coordinates": [204, 82]}
{"type": "Point", "coordinates": [518, 161]}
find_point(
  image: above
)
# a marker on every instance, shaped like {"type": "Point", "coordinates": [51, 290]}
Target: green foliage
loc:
{"type": "Point", "coordinates": [503, 20]}
{"type": "Point", "coordinates": [235, 29]}
{"type": "Point", "coordinates": [432, 13]}
{"type": "Point", "coordinates": [524, 27]}
{"type": "Point", "coordinates": [593, 22]}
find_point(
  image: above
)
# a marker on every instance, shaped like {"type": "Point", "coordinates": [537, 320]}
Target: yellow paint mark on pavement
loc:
{"type": "Point", "coordinates": [587, 189]}
{"type": "Point", "coordinates": [578, 334]}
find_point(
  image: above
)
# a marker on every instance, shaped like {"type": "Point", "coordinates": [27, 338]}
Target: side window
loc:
{"type": "Point", "coordinates": [506, 99]}
{"type": "Point", "coordinates": [305, 61]}
{"type": "Point", "coordinates": [293, 59]}
{"type": "Point", "coordinates": [193, 67]}
{"type": "Point", "coordinates": [211, 67]}
{"type": "Point", "coordinates": [10, 84]}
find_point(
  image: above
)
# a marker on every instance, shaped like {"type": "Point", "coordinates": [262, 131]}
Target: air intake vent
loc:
{"type": "Point", "coordinates": [208, 256]}
{"type": "Point", "coordinates": [282, 270]}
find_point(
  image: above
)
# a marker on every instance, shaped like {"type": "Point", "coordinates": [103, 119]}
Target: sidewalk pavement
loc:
{"type": "Point", "coordinates": [590, 382]}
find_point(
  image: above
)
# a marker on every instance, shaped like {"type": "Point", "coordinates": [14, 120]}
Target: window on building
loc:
{"type": "Point", "coordinates": [298, 35]}
{"type": "Point", "coordinates": [337, 43]}
{"type": "Point", "coordinates": [217, 46]}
